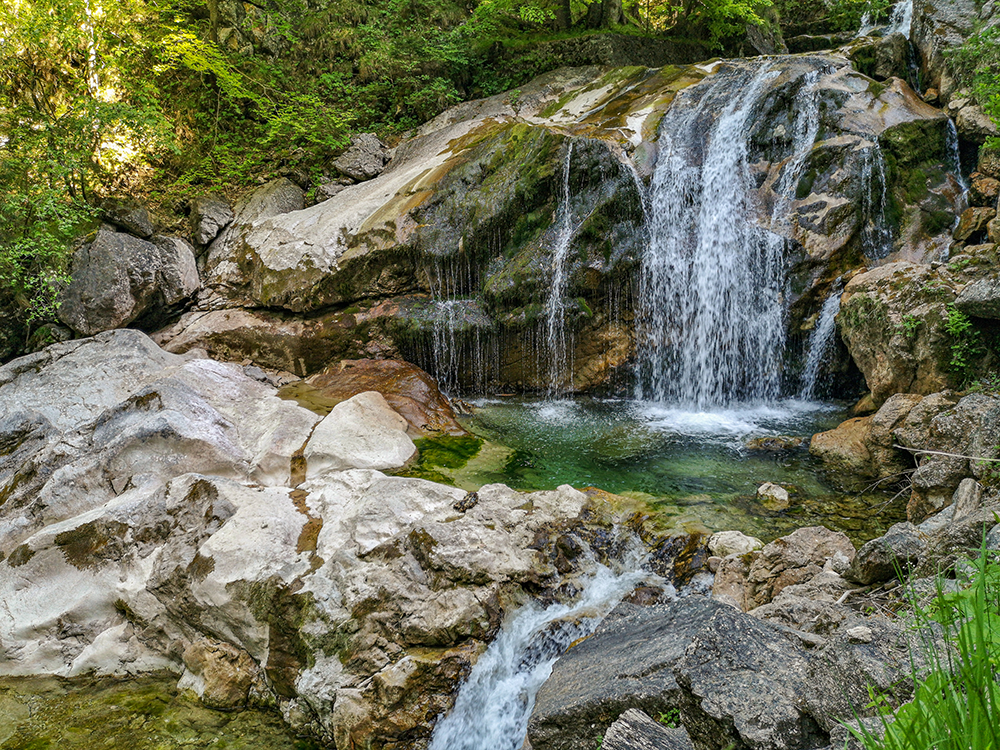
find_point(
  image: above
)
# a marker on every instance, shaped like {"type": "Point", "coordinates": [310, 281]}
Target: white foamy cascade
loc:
{"type": "Point", "coordinates": [493, 705]}
{"type": "Point", "coordinates": [712, 298]}
{"type": "Point", "coordinates": [901, 18]}
{"type": "Point", "coordinates": [558, 336]}
{"type": "Point", "coordinates": [820, 342]}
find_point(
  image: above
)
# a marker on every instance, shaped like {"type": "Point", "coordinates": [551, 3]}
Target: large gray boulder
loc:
{"type": "Point", "coordinates": [742, 685]}
{"type": "Point", "coordinates": [364, 159]}
{"type": "Point", "coordinates": [118, 279]}
{"type": "Point", "coordinates": [626, 663]}
{"type": "Point", "coordinates": [210, 214]}
{"type": "Point", "coordinates": [634, 730]}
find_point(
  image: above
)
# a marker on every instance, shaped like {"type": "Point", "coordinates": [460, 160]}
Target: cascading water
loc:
{"type": "Point", "coordinates": [712, 298]}
{"type": "Point", "coordinates": [558, 336]}
{"type": "Point", "coordinates": [901, 18]}
{"type": "Point", "coordinates": [820, 342]}
{"type": "Point", "coordinates": [493, 706]}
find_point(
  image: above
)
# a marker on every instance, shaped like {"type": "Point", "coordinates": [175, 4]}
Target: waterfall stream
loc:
{"type": "Point", "coordinates": [820, 342]}
{"type": "Point", "coordinates": [494, 704]}
{"type": "Point", "coordinates": [712, 298]}
{"type": "Point", "coordinates": [558, 335]}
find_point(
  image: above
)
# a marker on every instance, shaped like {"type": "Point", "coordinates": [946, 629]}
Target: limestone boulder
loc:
{"type": "Point", "coordinates": [741, 683]}
{"type": "Point", "coordinates": [750, 580]}
{"type": "Point", "coordinates": [210, 214]}
{"type": "Point", "coordinates": [626, 664]}
{"type": "Point", "coordinates": [892, 320]}
{"type": "Point", "coordinates": [635, 730]}
{"type": "Point", "coordinates": [363, 432]}
{"type": "Point", "coordinates": [861, 451]}
{"type": "Point", "coordinates": [966, 428]}
{"type": "Point", "coordinates": [725, 543]}
{"type": "Point", "coordinates": [160, 514]}
{"type": "Point", "coordinates": [131, 217]}
{"type": "Point", "coordinates": [364, 159]}
{"type": "Point", "coordinates": [179, 279]}
{"type": "Point", "coordinates": [118, 279]}
{"type": "Point", "coordinates": [890, 555]}
{"type": "Point", "coordinates": [980, 298]}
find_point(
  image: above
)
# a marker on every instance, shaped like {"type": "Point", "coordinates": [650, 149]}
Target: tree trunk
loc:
{"type": "Point", "coordinates": [564, 15]}
{"type": "Point", "coordinates": [611, 13]}
{"type": "Point", "coordinates": [213, 21]}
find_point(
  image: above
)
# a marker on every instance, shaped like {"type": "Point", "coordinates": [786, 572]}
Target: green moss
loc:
{"type": "Point", "coordinates": [915, 186]}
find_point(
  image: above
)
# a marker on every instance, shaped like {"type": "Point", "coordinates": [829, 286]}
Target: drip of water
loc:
{"type": "Point", "coordinates": [820, 341]}
{"type": "Point", "coordinates": [876, 234]}
{"type": "Point", "coordinates": [493, 706]}
{"type": "Point", "coordinates": [559, 338]}
{"type": "Point", "coordinates": [713, 284]}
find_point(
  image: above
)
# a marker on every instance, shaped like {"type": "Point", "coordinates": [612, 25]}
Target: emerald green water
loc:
{"type": "Point", "coordinates": [693, 467]}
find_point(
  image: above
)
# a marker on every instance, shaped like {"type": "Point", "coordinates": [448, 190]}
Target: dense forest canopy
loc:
{"type": "Point", "coordinates": [163, 99]}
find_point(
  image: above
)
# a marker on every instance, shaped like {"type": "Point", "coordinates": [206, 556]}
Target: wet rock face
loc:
{"type": "Point", "coordinates": [181, 516]}
{"type": "Point", "coordinates": [895, 322]}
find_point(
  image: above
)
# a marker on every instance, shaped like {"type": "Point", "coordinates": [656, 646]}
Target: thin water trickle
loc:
{"type": "Point", "coordinates": [876, 234]}
{"type": "Point", "coordinates": [820, 342]}
{"type": "Point", "coordinates": [494, 704]}
{"type": "Point", "coordinates": [559, 336]}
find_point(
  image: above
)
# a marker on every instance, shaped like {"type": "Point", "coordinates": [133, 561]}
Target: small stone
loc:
{"type": "Point", "coordinates": [775, 443]}
{"type": "Point", "coordinates": [860, 634]}
{"type": "Point", "coordinates": [967, 498]}
{"type": "Point", "coordinates": [773, 496]}
{"type": "Point", "coordinates": [468, 502]}
{"type": "Point", "coordinates": [725, 543]}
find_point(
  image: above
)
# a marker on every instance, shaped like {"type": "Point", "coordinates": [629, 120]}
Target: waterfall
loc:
{"type": "Point", "coordinates": [901, 19]}
{"type": "Point", "coordinates": [712, 297]}
{"type": "Point", "coordinates": [558, 337]}
{"type": "Point", "coordinates": [494, 704]}
{"type": "Point", "coordinates": [820, 341]}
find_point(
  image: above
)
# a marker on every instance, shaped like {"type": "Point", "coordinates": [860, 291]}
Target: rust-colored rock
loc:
{"type": "Point", "coordinates": [220, 673]}
{"type": "Point", "coordinates": [408, 389]}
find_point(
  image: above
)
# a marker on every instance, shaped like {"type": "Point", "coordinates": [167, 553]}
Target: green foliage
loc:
{"type": "Point", "coordinates": [670, 717]}
{"type": "Point", "coordinates": [909, 326]}
{"type": "Point", "coordinates": [966, 343]}
{"type": "Point", "coordinates": [956, 702]}
{"type": "Point", "coordinates": [848, 14]}
{"type": "Point", "coordinates": [977, 66]}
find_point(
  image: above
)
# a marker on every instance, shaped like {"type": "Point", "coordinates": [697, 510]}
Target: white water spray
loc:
{"type": "Point", "coordinates": [712, 299]}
